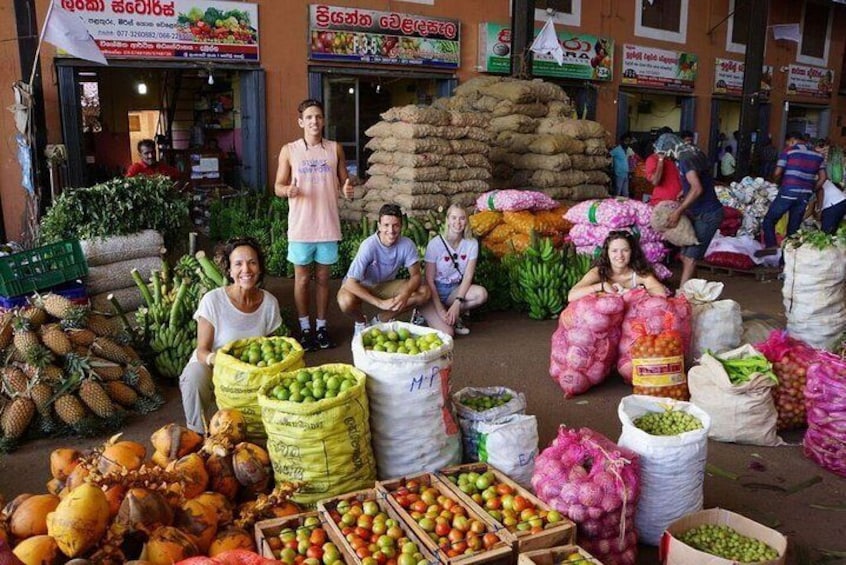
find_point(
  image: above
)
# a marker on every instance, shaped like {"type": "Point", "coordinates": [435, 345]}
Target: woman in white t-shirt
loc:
{"type": "Point", "coordinates": [450, 266]}
{"type": "Point", "coordinates": [237, 311]}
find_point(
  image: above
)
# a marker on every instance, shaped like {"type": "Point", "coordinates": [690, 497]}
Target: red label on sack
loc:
{"type": "Point", "coordinates": [658, 371]}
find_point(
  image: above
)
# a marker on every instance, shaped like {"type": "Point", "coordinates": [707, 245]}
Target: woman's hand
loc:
{"type": "Point", "coordinates": [452, 313]}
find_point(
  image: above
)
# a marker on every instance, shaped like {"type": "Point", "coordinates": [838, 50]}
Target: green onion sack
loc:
{"type": "Point", "coordinates": [318, 430]}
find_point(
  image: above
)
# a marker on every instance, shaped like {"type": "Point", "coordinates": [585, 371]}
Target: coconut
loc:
{"type": "Point", "coordinates": [229, 424]}
{"type": "Point", "coordinates": [287, 508]}
{"type": "Point", "coordinates": [192, 470]}
{"type": "Point", "coordinates": [30, 517]}
{"type": "Point", "coordinates": [114, 495]}
{"type": "Point", "coordinates": [80, 520]}
{"type": "Point", "coordinates": [77, 477]}
{"type": "Point", "coordinates": [144, 511]}
{"type": "Point", "coordinates": [252, 467]}
{"type": "Point", "coordinates": [55, 486]}
{"type": "Point", "coordinates": [62, 461]}
{"type": "Point", "coordinates": [231, 538]}
{"type": "Point", "coordinates": [39, 550]}
{"type": "Point", "coordinates": [198, 521]}
{"type": "Point", "coordinates": [13, 504]}
{"type": "Point", "coordinates": [121, 455]}
{"type": "Point", "coordinates": [174, 441]}
{"type": "Point", "coordinates": [222, 475]}
{"type": "Point", "coordinates": [221, 504]}
{"type": "Point", "coordinates": [168, 545]}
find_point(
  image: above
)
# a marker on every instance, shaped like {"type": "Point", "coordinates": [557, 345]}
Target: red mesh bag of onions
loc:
{"type": "Point", "coordinates": [825, 401]}
{"type": "Point", "coordinates": [594, 482]}
{"type": "Point", "coordinates": [585, 344]}
{"type": "Point", "coordinates": [791, 359]}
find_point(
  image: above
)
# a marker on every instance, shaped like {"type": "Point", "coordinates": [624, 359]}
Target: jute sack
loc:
{"type": "Point", "coordinates": [595, 146]}
{"type": "Point", "coordinates": [588, 192]}
{"type": "Point", "coordinates": [515, 142]}
{"type": "Point", "coordinates": [103, 251]}
{"type": "Point", "coordinates": [518, 91]}
{"type": "Point", "coordinates": [422, 145]}
{"type": "Point", "coordinates": [476, 160]}
{"type": "Point", "coordinates": [531, 161]}
{"type": "Point", "coordinates": [596, 177]}
{"type": "Point", "coordinates": [514, 122]}
{"type": "Point", "coordinates": [464, 146]}
{"type": "Point", "coordinates": [533, 110]}
{"type": "Point", "coordinates": [464, 199]}
{"type": "Point", "coordinates": [682, 234]}
{"type": "Point", "coordinates": [590, 162]}
{"type": "Point", "coordinates": [559, 108]}
{"type": "Point", "coordinates": [434, 173]}
{"type": "Point", "coordinates": [112, 276]}
{"type": "Point", "coordinates": [416, 115]}
{"type": "Point", "coordinates": [472, 87]}
{"type": "Point", "coordinates": [484, 104]}
{"type": "Point", "coordinates": [549, 144]}
{"type": "Point", "coordinates": [547, 179]}
{"type": "Point", "coordinates": [743, 413]}
{"type": "Point", "coordinates": [478, 134]}
{"type": "Point", "coordinates": [405, 159]}
{"type": "Point", "coordinates": [469, 173]}
{"type": "Point", "coordinates": [472, 119]}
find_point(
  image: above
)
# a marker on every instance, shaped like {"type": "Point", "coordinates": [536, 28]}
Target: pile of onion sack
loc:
{"type": "Point", "coordinates": [594, 482]}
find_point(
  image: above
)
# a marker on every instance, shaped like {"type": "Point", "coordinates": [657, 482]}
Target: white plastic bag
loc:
{"type": "Point", "coordinates": [672, 468]}
{"type": "Point", "coordinates": [814, 293]}
{"type": "Point", "coordinates": [743, 413]}
{"type": "Point", "coordinates": [411, 420]}
{"type": "Point", "coordinates": [470, 419]}
{"type": "Point", "coordinates": [511, 445]}
{"type": "Point", "coordinates": [717, 324]}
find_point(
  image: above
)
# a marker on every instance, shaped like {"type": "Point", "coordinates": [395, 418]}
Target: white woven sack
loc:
{"type": "Point", "coordinates": [412, 425]}
{"type": "Point", "coordinates": [470, 419]}
{"type": "Point", "coordinates": [814, 293]}
{"type": "Point", "coordinates": [672, 468]}
{"type": "Point", "coordinates": [511, 445]}
{"type": "Point", "coordinates": [716, 326]}
{"type": "Point", "coordinates": [743, 413]}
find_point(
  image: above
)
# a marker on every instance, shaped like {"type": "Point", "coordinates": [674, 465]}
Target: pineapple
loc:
{"type": "Point", "coordinates": [34, 314]}
{"type": "Point", "coordinates": [121, 393]}
{"type": "Point", "coordinates": [25, 339]}
{"type": "Point", "coordinates": [55, 339]}
{"type": "Point", "coordinates": [102, 325]}
{"type": "Point", "coordinates": [14, 381]}
{"type": "Point", "coordinates": [81, 336]}
{"type": "Point", "coordinates": [41, 393]}
{"type": "Point", "coordinates": [93, 395]}
{"type": "Point", "coordinates": [17, 417]}
{"type": "Point", "coordinates": [105, 369]}
{"type": "Point", "coordinates": [108, 349]}
{"type": "Point", "coordinates": [48, 373]}
{"type": "Point", "coordinates": [130, 353]}
{"type": "Point", "coordinates": [139, 377]}
{"type": "Point", "coordinates": [60, 307]}
{"type": "Point", "coordinates": [6, 329]}
{"type": "Point", "coordinates": [69, 409]}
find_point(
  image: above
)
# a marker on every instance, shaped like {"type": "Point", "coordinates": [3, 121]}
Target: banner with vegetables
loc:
{"type": "Point", "coordinates": [178, 29]}
{"type": "Point", "coordinates": [370, 36]}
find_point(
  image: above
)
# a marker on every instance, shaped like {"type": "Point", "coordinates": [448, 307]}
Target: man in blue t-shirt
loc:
{"type": "Point", "coordinates": [699, 202]}
{"type": "Point", "coordinates": [801, 171]}
{"type": "Point", "coordinates": [620, 163]}
{"type": "Point", "coordinates": [372, 274]}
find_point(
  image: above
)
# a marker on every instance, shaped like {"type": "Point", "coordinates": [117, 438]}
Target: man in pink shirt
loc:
{"type": "Point", "coordinates": [311, 172]}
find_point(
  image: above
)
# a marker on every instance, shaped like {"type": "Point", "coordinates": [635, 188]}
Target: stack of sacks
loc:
{"type": "Point", "coordinates": [538, 144]}
{"type": "Point", "coordinates": [425, 158]}
{"type": "Point", "coordinates": [593, 220]}
{"type": "Point", "coordinates": [506, 219]}
{"type": "Point", "coordinates": [752, 197]}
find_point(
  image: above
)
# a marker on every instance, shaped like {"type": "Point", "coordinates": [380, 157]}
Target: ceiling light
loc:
{"type": "Point", "coordinates": [142, 88]}
{"type": "Point", "coordinates": [211, 78]}
{"type": "Point", "coordinates": [351, 90]}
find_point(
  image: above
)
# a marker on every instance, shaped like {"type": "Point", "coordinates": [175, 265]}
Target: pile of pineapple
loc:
{"type": "Point", "coordinates": [67, 369]}
{"type": "Point", "coordinates": [112, 505]}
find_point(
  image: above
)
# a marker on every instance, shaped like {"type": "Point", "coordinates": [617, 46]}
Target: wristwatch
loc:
{"type": "Point", "coordinates": [460, 299]}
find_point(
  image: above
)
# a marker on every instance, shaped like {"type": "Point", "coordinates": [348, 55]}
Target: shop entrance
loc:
{"type": "Point", "coordinates": [810, 120]}
{"type": "Point", "coordinates": [725, 120]}
{"type": "Point", "coordinates": [643, 113]}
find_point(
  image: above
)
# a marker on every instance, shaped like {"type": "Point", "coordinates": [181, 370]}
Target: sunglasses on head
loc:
{"type": "Point", "coordinates": [620, 233]}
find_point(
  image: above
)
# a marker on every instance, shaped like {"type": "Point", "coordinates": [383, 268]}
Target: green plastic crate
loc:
{"type": "Point", "coordinates": [42, 267]}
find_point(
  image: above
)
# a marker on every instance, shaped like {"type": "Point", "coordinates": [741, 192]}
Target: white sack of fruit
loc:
{"type": "Point", "coordinates": [475, 405]}
{"type": "Point", "coordinates": [408, 369]}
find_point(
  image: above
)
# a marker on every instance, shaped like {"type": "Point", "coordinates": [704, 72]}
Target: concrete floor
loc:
{"type": "Point", "coordinates": [511, 350]}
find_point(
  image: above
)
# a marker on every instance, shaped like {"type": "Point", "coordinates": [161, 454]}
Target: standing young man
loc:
{"type": "Point", "coordinates": [312, 174]}
{"type": "Point", "coordinates": [372, 275]}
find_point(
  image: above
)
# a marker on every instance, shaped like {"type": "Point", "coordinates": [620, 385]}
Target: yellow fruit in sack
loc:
{"type": "Point", "coordinates": [39, 550]}
{"type": "Point", "coordinates": [80, 520]}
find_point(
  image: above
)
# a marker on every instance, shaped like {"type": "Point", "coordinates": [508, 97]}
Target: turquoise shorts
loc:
{"type": "Point", "coordinates": [305, 253]}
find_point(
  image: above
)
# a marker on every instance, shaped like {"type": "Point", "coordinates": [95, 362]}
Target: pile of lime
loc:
{"type": "Point", "coordinates": [314, 384]}
{"type": "Point", "coordinates": [262, 351]}
{"type": "Point", "coordinates": [668, 423]}
{"type": "Point", "coordinates": [727, 543]}
{"type": "Point", "coordinates": [487, 401]}
{"type": "Point", "coordinates": [400, 341]}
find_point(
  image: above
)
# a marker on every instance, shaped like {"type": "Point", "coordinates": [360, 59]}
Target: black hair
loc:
{"type": "Point", "coordinates": [727, 149]}
{"type": "Point", "coordinates": [637, 261]}
{"type": "Point", "coordinates": [663, 130]}
{"type": "Point", "coordinates": [146, 143]}
{"type": "Point", "coordinates": [308, 103]}
{"type": "Point", "coordinates": [795, 135]}
{"type": "Point", "coordinates": [234, 243]}
{"type": "Point", "coordinates": [686, 133]}
{"type": "Point", "coordinates": [390, 210]}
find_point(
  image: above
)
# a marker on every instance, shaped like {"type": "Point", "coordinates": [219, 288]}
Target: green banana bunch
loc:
{"type": "Point", "coordinates": [538, 279]}
{"type": "Point", "coordinates": [577, 266]}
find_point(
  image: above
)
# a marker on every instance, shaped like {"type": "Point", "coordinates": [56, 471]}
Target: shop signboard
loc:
{"type": "Point", "coordinates": [805, 80]}
{"type": "Point", "coordinates": [211, 30]}
{"type": "Point", "coordinates": [728, 77]}
{"type": "Point", "coordinates": [355, 35]}
{"type": "Point", "coordinates": [586, 57]}
{"type": "Point", "coordinates": [659, 68]}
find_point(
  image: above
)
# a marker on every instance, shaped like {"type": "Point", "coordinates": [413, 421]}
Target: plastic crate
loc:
{"type": "Point", "coordinates": [42, 267]}
{"type": "Point", "coordinates": [73, 291]}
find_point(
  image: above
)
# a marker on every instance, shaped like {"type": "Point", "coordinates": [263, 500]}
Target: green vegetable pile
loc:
{"type": "Point", "coordinates": [668, 423]}
{"type": "Point", "coordinates": [741, 370]}
{"type": "Point", "coordinates": [725, 542]}
{"type": "Point", "coordinates": [816, 238]}
{"type": "Point", "coordinates": [120, 206]}
{"type": "Point", "coordinates": [486, 402]}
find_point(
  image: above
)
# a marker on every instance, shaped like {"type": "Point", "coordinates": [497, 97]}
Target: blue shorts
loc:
{"type": "Point", "coordinates": [705, 225]}
{"type": "Point", "coordinates": [303, 253]}
{"type": "Point", "coordinates": [445, 289]}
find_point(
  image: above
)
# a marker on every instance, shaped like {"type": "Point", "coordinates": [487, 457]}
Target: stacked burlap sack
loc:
{"type": "Point", "coordinates": [506, 219]}
{"type": "Point", "coordinates": [425, 158]}
{"type": "Point", "coordinates": [537, 141]}
{"type": "Point", "coordinates": [110, 264]}
{"type": "Point", "coordinates": [593, 220]}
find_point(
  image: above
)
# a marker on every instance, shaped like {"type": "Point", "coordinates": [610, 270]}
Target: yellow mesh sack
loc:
{"type": "Point", "coordinates": [483, 222]}
{"type": "Point", "coordinates": [522, 221]}
{"type": "Point", "coordinates": [500, 233]}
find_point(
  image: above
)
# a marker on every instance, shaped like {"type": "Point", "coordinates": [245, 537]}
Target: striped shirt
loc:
{"type": "Point", "coordinates": [801, 167]}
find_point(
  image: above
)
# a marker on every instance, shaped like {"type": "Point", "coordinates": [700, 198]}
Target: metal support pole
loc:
{"type": "Point", "coordinates": [522, 35]}
{"type": "Point", "coordinates": [753, 64]}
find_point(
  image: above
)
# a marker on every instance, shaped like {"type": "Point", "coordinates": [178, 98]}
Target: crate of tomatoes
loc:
{"type": "Point", "coordinates": [371, 530]}
{"type": "Point", "coordinates": [450, 529]}
{"type": "Point", "coordinates": [295, 539]}
{"type": "Point", "coordinates": [524, 519]}
{"type": "Point", "coordinates": [560, 555]}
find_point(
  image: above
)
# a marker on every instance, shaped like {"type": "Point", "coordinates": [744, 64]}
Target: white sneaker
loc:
{"type": "Point", "coordinates": [376, 320]}
{"type": "Point", "coordinates": [460, 328]}
{"type": "Point", "coordinates": [417, 318]}
{"type": "Point", "coordinates": [359, 327]}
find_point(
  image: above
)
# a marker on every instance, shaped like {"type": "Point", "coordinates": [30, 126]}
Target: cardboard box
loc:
{"type": "Point", "coordinates": [675, 552]}
{"type": "Point", "coordinates": [559, 554]}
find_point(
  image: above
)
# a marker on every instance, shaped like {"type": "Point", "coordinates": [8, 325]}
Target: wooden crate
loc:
{"type": "Point", "coordinates": [563, 533]}
{"type": "Point", "coordinates": [559, 554]}
{"type": "Point", "coordinates": [325, 507]}
{"type": "Point", "coordinates": [500, 554]}
{"type": "Point", "coordinates": [272, 527]}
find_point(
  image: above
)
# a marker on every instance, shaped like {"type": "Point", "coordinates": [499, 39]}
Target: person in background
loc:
{"type": "Point", "coordinates": [237, 311]}
{"type": "Point", "coordinates": [822, 147]}
{"type": "Point", "coordinates": [372, 274]}
{"type": "Point", "coordinates": [662, 172]}
{"type": "Point", "coordinates": [620, 163]}
{"type": "Point", "coordinates": [733, 142]}
{"type": "Point", "coordinates": [699, 203]}
{"type": "Point", "coordinates": [450, 266]}
{"type": "Point", "coordinates": [728, 164]}
{"type": "Point", "coordinates": [766, 157]}
{"type": "Point", "coordinates": [620, 267]}
{"type": "Point", "coordinates": [801, 173]}
{"type": "Point", "coordinates": [312, 175]}
{"type": "Point", "coordinates": [149, 165]}
{"type": "Point", "coordinates": [687, 136]}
